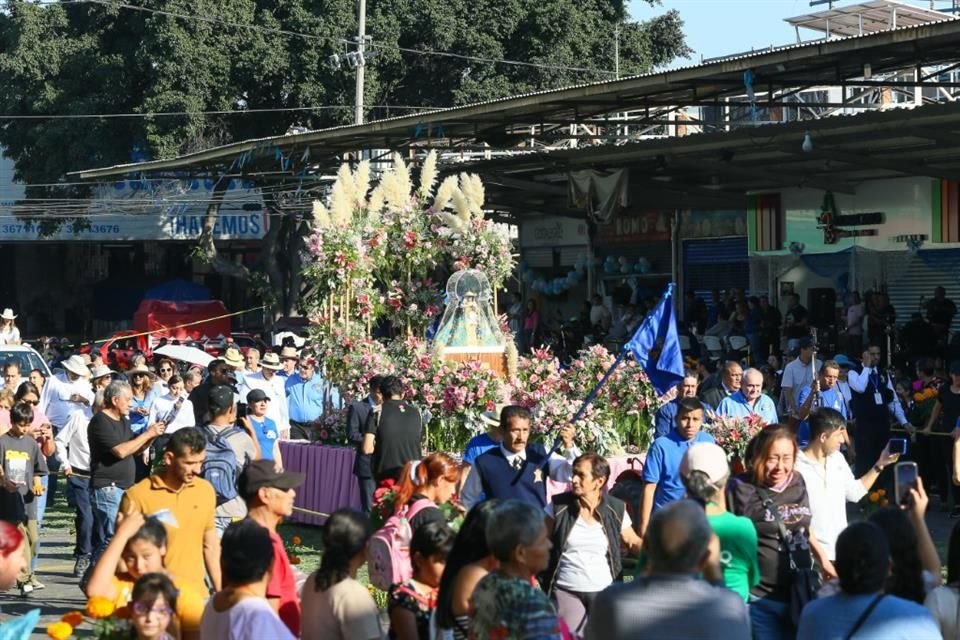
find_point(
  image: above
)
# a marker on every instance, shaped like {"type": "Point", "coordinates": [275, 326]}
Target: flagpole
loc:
{"type": "Point", "coordinates": [616, 363]}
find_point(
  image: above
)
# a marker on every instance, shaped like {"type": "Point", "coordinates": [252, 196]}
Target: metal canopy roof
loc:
{"type": "Point", "coordinates": [867, 17]}
{"type": "Point", "coordinates": [505, 123]}
{"type": "Point", "coordinates": [718, 170]}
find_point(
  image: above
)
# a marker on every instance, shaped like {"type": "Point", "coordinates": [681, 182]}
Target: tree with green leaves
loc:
{"type": "Point", "coordinates": [148, 79]}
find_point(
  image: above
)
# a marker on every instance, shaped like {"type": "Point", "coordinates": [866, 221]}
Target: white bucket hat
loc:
{"type": "Point", "coordinates": [75, 364]}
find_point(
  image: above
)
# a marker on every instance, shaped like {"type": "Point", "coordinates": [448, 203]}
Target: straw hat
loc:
{"type": "Point", "coordinates": [75, 364]}
{"type": "Point", "coordinates": [289, 353]}
{"type": "Point", "coordinates": [233, 358]}
{"type": "Point", "coordinates": [271, 361]}
{"type": "Point", "coordinates": [140, 368]}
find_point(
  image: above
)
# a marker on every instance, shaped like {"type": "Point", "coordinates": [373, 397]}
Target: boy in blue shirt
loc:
{"type": "Point", "coordinates": [661, 472]}
{"type": "Point", "coordinates": [268, 436]}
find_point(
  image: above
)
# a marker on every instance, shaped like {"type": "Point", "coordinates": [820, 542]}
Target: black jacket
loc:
{"type": "Point", "coordinates": [566, 510]}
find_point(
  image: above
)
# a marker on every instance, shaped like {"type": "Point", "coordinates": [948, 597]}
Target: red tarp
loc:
{"type": "Point", "coordinates": [162, 315]}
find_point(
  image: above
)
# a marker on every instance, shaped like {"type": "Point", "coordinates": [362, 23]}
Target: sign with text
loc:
{"type": "Point", "coordinates": [553, 231]}
{"type": "Point", "coordinates": [138, 209]}
{"type": "Point", "coordinates": [643, 226]}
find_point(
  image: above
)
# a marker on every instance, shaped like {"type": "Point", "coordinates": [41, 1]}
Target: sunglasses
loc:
{"type": "Point", "coordinates": [33, 402]}
{"type": "Point", "coordinates": [306, 367]}
{"type": "Point", "coordinates": [165, 369]}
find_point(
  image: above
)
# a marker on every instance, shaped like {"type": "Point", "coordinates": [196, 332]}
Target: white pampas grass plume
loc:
{"type": "Point", "coordinates": [321, 217]}
{"type": "Point", "coordinates": [396, 185]}
{"type": "Point", "coordinates": [341, 202]}
{"type": "Point", "coordinates": [461, 205]}
{"type": "Point", "coordinates": [428, 174]}
{"type": "Point", "coordinates": [453, 222]}
{"type": "Point", "coordinates": [444, 193]}
{"type": "Point", "coordinates": [361, 184]}
{"type": "Point", "coordinates": [472, 187]}
{"type": "Point", "coordinates": [375, 205]}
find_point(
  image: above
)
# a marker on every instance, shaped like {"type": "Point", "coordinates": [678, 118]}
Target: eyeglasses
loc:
{"type": "Point", "coordinates": [142, 610]}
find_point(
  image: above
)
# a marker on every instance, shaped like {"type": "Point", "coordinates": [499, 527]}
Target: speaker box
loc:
{"type": "Point", "coordinates": [821, 305]}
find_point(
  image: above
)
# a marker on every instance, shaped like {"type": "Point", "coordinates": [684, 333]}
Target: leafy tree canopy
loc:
{"type": "Point", "coordinates": [98, 58]}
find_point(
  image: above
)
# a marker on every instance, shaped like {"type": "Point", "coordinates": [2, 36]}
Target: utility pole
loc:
{"type": "Point", "coordinates": [616, 51]}
{"type": "Point", "coordinates": [361, 41]}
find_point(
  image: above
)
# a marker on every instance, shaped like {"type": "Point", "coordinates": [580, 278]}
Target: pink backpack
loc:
{"type": "Point", "coordinates": [388, 555]}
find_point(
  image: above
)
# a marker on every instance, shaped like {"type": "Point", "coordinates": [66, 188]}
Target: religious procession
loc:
{"type": "Point", "coordinates": [345, 320]}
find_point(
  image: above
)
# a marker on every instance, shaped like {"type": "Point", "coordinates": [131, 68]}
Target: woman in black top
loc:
{"type": "Point", "coordinates": [943, 419]}
{"type": "Point", "coordinates": [772, 480]}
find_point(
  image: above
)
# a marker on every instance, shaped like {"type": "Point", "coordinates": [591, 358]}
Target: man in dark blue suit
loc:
{"type": "Point", "coordinates": [357, 414]}
{"type": "Point", "coordinates": [516, 469]}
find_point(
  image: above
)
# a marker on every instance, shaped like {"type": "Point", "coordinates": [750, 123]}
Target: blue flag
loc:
{"type": "Point", "coordinates": [658, 334]}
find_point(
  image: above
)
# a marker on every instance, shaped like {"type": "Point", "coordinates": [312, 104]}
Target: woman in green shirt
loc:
{"type": "Point", "coordinates": [705, 472]}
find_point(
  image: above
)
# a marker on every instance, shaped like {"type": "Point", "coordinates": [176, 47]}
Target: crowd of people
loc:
{"type": "Point", "coordinates": [178, 485]}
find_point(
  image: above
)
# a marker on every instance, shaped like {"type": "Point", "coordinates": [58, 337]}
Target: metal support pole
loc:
{"type": "Point", "coordinates": [361, 41]}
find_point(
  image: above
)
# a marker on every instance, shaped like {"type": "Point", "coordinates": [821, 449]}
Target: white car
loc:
{"type": "Point", "coordinates": [26, 357]}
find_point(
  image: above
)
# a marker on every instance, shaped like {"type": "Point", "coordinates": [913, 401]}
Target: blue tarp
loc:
{"type": "Point", "coordinates": [177, 291]}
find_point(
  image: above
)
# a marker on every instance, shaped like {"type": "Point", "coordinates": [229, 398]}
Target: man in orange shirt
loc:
{"type": "Point", "coordinates": [185, 503]}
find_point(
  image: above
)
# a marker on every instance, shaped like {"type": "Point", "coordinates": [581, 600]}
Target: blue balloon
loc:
{"type": "Point", "coordinates": [609, 267]}
{"type": "Point", "coordinates": [523, 266]}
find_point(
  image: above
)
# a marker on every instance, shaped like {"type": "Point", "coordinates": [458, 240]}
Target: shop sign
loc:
{"type": "Point", "coordinates": [645, 226]}
{"type": "Point", "coordinates": [553, 232]}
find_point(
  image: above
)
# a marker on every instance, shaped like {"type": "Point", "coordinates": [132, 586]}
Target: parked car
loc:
{"type": "Point", "coordinates": [26, 357]}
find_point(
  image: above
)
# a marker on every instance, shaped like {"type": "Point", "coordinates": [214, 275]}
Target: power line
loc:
{"type": "Point", "coordinates": [78, 116]}
{"type": "Point", "coordinates": [285, 32]}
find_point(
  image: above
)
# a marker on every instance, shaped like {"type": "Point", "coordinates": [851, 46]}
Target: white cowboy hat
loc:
{"type": "Point", "coordinates": [101, 370]}
{"type": "Point", "coordinates": [8, 314]}
{"type": "Point", "coordinates": [75, 364]}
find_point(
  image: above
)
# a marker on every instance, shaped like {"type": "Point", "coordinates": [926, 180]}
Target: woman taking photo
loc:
{"type": "Point", "coordinates": [587, 529]}
{"type": "Point", "coordinates": [335, 605]}
{"type": "Point", "coordinates": [469, 561]}
{"type": "Point", "coordinates": [772, 493]}
{"type": "Point", "coordinates": [141, 382]}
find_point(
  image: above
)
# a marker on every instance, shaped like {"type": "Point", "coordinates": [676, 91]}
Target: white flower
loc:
{"type": "Point", "coordinates": [445, 193]}
{"type": "Point", "coordinates": [428, 174]}
{"type": "Point", "coordinates": [321, 217]}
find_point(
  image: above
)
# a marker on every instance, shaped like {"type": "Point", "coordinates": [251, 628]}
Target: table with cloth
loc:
{"type": "Point", "coordinates": [330, 483]}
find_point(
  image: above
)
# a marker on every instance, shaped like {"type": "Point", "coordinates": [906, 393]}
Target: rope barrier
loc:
{"type": "Point", "coordinates": [932, 433]}
{"type": "Point", "coordinates": [179, 326]}
{"type": "Point", "coordinates": [319, 514]}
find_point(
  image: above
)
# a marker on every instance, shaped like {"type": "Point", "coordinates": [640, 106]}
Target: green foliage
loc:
{"type": "Point", "coordinates": [90, 58]}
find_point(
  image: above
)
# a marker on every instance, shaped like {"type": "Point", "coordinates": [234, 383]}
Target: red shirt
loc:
{"type": "Point", "coordinates": [283, 585]}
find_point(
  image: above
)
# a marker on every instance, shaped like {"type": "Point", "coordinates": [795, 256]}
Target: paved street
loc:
{"type": "Point", "coordinates": [55, 570]}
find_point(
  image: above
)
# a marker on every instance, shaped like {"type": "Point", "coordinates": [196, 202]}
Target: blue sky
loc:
{"type": "Point", "coordinates": [721, 27]}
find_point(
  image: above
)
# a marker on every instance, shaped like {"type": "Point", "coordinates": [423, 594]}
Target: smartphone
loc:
{"type": "Point", "coordinates": [898, 445]}
{"type": "Point", "coordinates": [904, 478]}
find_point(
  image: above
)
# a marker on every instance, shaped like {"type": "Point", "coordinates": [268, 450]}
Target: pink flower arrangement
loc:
{"type": "Point", "coordinates": [732, 434]}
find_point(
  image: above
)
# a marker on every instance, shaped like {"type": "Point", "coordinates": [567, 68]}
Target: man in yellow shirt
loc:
{"type": "Point", "coordinates": [185, 503]}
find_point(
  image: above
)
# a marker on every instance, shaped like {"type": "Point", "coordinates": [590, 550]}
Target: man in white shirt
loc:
{"type": "Point", "coordinates": [830, 482]}
{"type": "Point", "coordinates": [252, 360]}
{"type": "Point", "coordinates": [173, 408]}
{"type": "Point", "coordinates": [274, 386]}
{"type": "Point", "coordinates": [797, 375]}
{"type": "Point", "coordinates": [60, 396]}
{"type": "Point", "coordinates": [73, 450]}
